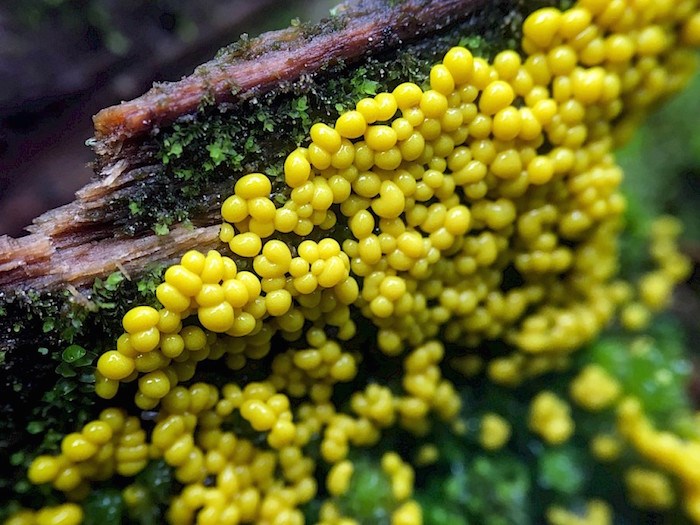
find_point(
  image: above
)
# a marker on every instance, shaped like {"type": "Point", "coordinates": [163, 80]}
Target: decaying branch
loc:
{"type": "Point", "coordinates": [361, 27]}
{"type": "Point", "coordinates": [78, 242]}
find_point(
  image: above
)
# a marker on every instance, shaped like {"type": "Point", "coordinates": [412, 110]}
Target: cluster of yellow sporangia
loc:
{"type": "Point", "coordinates": [483, 206]}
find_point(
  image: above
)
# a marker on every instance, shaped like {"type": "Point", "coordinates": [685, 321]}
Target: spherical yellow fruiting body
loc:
{"type": "Point", "coordinates": [114, 365]}
{"type": "Point", "coordinates": [43, 469]}
{"type": "Point", "coordinates": [549, 417]}
{"type": "Point", "coordinates": [253, 185]}
{"type": "Point", "coordinates": [139, 319]}
{"type": "Point", "coordinates": [495, 432]}
{"type": "Point", "coordinates": [326, 137]}
{"type": "Point", "coordinates": [496, 96]}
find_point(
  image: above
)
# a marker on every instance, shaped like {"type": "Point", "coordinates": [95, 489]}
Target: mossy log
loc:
{"type": "Point", "coordinates": [73, 277]}
{"type": "Point", "coordinates": [167, 160]}
{"type": "Point", "coordinates": [95, 234]}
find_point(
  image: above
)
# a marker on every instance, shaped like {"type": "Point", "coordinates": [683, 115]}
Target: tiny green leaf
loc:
{"type": "Point", "coordinates": [34, 427]}
{"type": "Point", "coordinates": [73, 353]}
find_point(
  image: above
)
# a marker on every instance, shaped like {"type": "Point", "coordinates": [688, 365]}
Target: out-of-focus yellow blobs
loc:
{"type": "Point", "coordinates": [260, 416]}
{"type": "Point", "coordinates": [400, 474]}
{"type": "Point", "coordinates": [134, 496]}
{"type": "Point", "coordinates": [426, 389]}
{"type": "Point", "coordinates": [594, 389]}
{"type": "Point", "coordinates": [469, 365]}
{"type": "Point", "coordinates": [690, 33]}
{"type": "Point", "coordinates": [330, 514]}
{"type": "Point", "coordinates": [540, 170]}
{"type": "Point", "coordinates": [605, 447]}
{"type": "Point", "coordinates": [428, 454]}
{"type": "Point", "coordinates": [550, 418]}
{"type": "Point", "coordinates": [376, 403]}
{"type": "Point", "coordinates": [691, 503]}
{"type": "Point", "coordinates": [597, 513]}
{"type": "Point", "coordinates": [410, 513]}
{"type": "Point", "coordinates": [494, 431]}
{"type": "Point", "coordinates": [339, 476]}
{"type": "Point", "coordinates": [635, 316]}
{"type": "Point", "coordinates": [668, 452]}
{"type": "Point", "coordinates": [65, 514]}
{"type": "Point", "coordinates": [512, 370]}
{"type": "Point", "coordinates": [655, 287]}
{"type": "Point", "coordinates": [649, 489]}
{"type": "Point", "coordinates": [22, 517]}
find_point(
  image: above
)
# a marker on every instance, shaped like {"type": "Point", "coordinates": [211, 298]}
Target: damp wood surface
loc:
{"type": "Point", "coordinates": [75, 243]}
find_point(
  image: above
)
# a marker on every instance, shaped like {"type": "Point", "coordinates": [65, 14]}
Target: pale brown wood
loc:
{"type": "Point", "coordinates": [35, 260]}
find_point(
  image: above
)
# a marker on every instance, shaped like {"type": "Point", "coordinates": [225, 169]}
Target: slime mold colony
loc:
{"type": "Point", "coordinates": [422, 225]}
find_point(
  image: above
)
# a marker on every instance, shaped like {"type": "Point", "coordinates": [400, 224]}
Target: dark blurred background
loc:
{"type": "Point", "coordinates": [61, 61]}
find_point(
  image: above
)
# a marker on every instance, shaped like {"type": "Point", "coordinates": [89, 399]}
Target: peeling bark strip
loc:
{"type": "Point", "coordinates": [75, 243]}
{"type": "Point", "coordinates": [35, 261]}
{"type": "Point", "coordinates": [359, 28]}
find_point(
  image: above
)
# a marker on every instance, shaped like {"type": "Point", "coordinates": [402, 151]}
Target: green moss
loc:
{"type": "Point", "coordinates": [480, 489]}
{"type": "Point", "coordinates": [368, 499]}
{"type": "Point", "coordinates": [652, 367]}
{"type": "Point", "coordinates": [563, 470]}
{"type": "Point", "coordinates": [104, 507]}
{"type": "Point", "coordinates": [662, 163]}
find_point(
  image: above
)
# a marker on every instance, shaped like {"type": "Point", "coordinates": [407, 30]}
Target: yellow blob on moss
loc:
{"type": "Point", "coordinates": [494, 432]}
{"type": "Point", "coordinates": [597, 513]}
{"type": "Point", "coordinates": [550, 418]}
{"type": "Point", "coordinates": [594, 389]}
